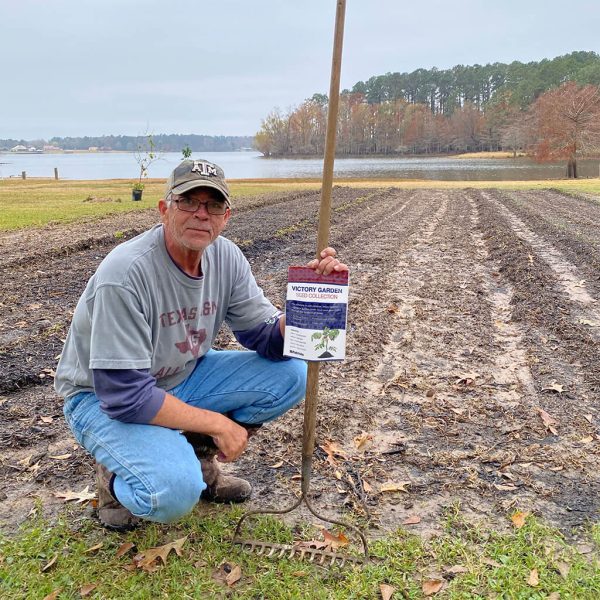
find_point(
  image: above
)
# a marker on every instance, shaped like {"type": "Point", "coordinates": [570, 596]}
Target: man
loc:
{"type": "Point", "coordinates": [145, 393]}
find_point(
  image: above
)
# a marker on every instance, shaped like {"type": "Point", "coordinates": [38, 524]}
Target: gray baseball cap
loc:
{"type": "Point", "coordinates": [192, 174]}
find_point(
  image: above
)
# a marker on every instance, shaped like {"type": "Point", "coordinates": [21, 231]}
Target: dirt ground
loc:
{"type": "Point", "coordinates": [472, 377]}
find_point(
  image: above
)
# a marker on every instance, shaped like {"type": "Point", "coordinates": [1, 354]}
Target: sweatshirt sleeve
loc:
{"type": "Point", "coordinates": [265, 338]}
{"type": "Point", "coordinates": [128, 395]}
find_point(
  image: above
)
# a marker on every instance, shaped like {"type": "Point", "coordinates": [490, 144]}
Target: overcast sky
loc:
{"type": "Point", "coordinates": [93, 67]}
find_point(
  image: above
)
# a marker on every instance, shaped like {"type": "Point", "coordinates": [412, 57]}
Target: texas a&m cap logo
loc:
{"type": "Point", "coordinates": [192, 174]}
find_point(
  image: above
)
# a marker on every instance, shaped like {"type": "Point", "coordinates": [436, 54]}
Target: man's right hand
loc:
{"type": "Point", "coordinates": [230, 438]}
{"type": "Point", "coordinates": [231, 442]}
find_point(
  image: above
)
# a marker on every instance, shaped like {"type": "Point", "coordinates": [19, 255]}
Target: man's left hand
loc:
{"type": "Point", "coordinates": [328, 263]}
{"type": "Point", "coordinates": [325, 265]}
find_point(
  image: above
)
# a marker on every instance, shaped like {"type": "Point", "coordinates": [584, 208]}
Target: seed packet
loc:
{"type": "Point", "coordinates": [315, 315]}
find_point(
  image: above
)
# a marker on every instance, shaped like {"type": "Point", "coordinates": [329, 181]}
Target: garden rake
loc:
{"type": "Point", "coordinates": [303, 550]}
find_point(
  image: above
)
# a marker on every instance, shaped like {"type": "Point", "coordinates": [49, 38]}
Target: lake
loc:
{"type": "Point", "coordinates": [251, 165]}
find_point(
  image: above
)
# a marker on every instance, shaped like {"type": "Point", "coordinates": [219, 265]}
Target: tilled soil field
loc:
{"type": "Point", "coordinates": [473, 372]}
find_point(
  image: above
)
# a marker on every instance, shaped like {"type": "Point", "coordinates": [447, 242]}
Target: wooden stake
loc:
{"type": "Point", "coordinates": [312, 383]}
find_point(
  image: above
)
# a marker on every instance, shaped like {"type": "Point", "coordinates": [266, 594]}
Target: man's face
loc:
{"type": "Point", "coordinates": [193, 231]}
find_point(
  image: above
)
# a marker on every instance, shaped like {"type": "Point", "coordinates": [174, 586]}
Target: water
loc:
{"type": "Point", "coordinates": [251, 165]}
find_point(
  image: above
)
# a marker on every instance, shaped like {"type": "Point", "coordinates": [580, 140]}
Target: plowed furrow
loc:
{"type": "Point", "coordinates": [541, 302]}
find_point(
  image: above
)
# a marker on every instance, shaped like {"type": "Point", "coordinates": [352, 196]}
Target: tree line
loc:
{"type": "Point", "coordinates": [444, 91]}
{"type": "Point", "coordinates": [487, 108]}
{"type": "Point", "coordinates": [162, 142]}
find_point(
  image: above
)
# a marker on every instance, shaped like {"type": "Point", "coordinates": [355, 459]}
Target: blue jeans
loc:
{"type": "Point", "coordinates": [157, 474]}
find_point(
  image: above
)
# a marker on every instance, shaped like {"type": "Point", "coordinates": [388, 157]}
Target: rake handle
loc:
{"type": "Point", "coordinates": [312, 382]}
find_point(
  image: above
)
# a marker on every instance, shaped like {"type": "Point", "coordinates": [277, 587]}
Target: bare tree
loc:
{"type": "Point", "coordinates": [514, 135]}
{"type": "Point", "coordinates": [467, 127]}
{"type": "Point", "coordinates": [566, 124]}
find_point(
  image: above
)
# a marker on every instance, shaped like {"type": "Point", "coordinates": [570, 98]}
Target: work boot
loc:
{"type": "Point", "coordinates": [112, 514]}
{"type": "Point", "coordinates": [219, 487]}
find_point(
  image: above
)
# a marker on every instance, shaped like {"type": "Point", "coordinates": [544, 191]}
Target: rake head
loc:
{"type": "Point", "coordinates": [317, 556]}
{"type": "Point", "coordinates": [301, 550]}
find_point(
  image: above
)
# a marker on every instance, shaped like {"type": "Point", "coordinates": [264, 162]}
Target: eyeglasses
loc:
{"type": "Point", "coordinates": [191, 205]}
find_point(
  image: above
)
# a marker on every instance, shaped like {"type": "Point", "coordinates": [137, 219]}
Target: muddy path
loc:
{"type": "Point", "coordinates": [473, 371]}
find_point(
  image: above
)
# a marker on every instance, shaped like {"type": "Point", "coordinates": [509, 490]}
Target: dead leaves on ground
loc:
{"type": "Point", "coordinates": [451, 572]}
{"type": "Point", "coordinates": [94, 548]}
{"type": "Point", "coordinates": [559, 388]}
{"type": "Point", "coordinates": [150, 559]}
{"type": "Point", "coordinates": [335, 541]}
{"type": "Point", "coordinates": [228, 574]}
{"type": "Point", "coordinates": [505, 487]}
{"type": "Point", "coordinates": [519, 519]}
{"type": "Point", "coordinates": [60, 456]}
{"type": "Point", "coordinates": [153, 559]}
{"type": "Point", "coordinates": [534, 578]}
{"type": "Point", "coordinates": [429, 587]}
{"type": "Point", "coordinates": [394, 486]}
{"type": "Point", "coordinates": [549, 422]}
{"type": "Point", "coordinates": [412, 520]}
{"type": "Point", "coordinates": [467, 379]}
{"type": "Point", "coordinates": [50, 563]}
{"type": "Point", "coordinates": [589, 323]}
{"type": "Point", "coordinates": [361, 441]}
{"type": "Point", "coordinates": [124, 549]}
{"type": "Point", "coordinates": [330, 541]}
{"type": "Point", "coordinates": [332, 450]}
{"type": "Point", "coordinates": [83, 496]}
{"type": "Point", "coordinates": [490, 562]}
{"type": "Point", "coordinates": [87, 589]}
{"type": "Point", "coordinates": [432, 586]}
{"type": "Point", "coordinates": [335, 454]}
{"type": "Point", "coordinates": [563, 569]}
{"type": "Point", "coordinates": [387, 591]}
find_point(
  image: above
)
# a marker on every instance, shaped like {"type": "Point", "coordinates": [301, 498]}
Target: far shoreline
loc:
{"type": "Point", "coordinates": [468, 155]}
{"type": "Point", "coordinates": [483, 154]}
{"type": "Point", "coordinates": [354, 181]}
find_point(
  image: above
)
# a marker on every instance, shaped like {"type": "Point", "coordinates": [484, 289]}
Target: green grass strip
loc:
{"type": "Point", "coordinates": [474, 562]}
{"type": "Point", "coordinates": [35, 203]}
{"type": "Point", "coordinates": [38, 202]}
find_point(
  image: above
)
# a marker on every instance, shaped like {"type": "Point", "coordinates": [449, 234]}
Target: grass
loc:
{"type": "Point", "coordinates": [38, 202]}
{"type": "Point", "coordinates": [486, 564]}
{"type": "Point", "coordinates": [572, 186]}
{"type": "Point", "coordinates": [495, 154]}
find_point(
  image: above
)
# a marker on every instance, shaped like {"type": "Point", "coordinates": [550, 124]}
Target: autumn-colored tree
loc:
{"type": "Point", "coordinates": [433, 132]}
{"type": "Point", "coordinates": [443, 134]}
{"type": "Point", "coordinates": [307, 127]}
{"type": "Point", "coordinates": [459, 109]}
{"type": "Point", "coordinates": [467, 125]}
{"type": "Point", "coordinates": [347, 101]}
{"type": "Point", "coordinates": [413, 127]}
{"type": "Point", "coordinates": [360, 129]}
{"type": "Point", "coordinates": [566, 124]}
{"type": "Point", "coordinates": [274, 136]}
{"type": "Point", "coordinates": [501, 115]}
{"type": "Point", "coordinates": [515, 133]}
{"type": "Point", "coordinates": [384, 130]}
